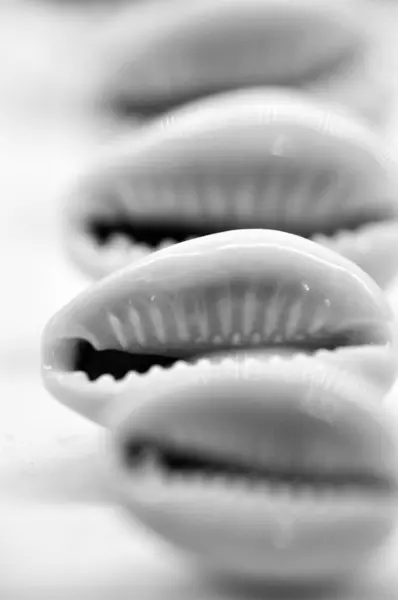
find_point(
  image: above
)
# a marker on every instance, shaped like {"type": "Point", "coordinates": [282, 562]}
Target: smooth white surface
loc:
{"type": "Point", "coordinates": [60, 536]}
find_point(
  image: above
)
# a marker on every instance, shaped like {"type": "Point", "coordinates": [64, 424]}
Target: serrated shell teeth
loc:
{"type": "Point", "coordinates": [97, 341]}
{"type": "Point", "coordinates": [156, 371]}
{"type": "Point", "coordinates": [237, 339]}
{"type": "Point", "coordinates": [107, 382]}
{"type": "Point", "coordinates": [256, 338]}
{"type": "Point", "coordinates": [166, 243]}
{"type": "Point", "coordinates": [180, 365]}
{"type": "Point", "coordinates": [119, 243]}
{"type": "Point", "coordinates": [373, 247]}
{"type": "Point", "coordinates": [150, 464]}
{"type": "Point", "coordinates": [242, 288]}
{"type": "Point", "coordinates": [78, 377]}
{"type": "Point", "coordinates": [324, 240]}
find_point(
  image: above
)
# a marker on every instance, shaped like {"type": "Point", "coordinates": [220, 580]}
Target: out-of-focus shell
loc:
{"type": "Point", "coordinates": [255, 158]}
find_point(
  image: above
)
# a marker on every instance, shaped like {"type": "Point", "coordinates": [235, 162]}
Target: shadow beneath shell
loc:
{"type": "Point", "coordinates": [244, 590]}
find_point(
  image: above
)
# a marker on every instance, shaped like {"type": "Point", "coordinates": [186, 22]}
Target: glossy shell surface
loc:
{"type": "Point", "coordinates": [230, 290]}
{"type": "Point", "coordinates": [255, 158]}
{"type": "Point", "coordinates": [263, 449]}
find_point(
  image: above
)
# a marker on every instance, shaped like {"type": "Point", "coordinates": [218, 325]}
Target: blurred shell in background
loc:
{"type": "Point", "coordinates": [149, 47]}
{"type": "Point", "coordinates": [62, 53]}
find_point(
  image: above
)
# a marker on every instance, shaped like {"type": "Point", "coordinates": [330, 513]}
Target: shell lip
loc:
{"type": "Point", "coordinates": [217, 487]}
{"type": "Point", "coordinates": [250, 255]}
{"type": "Point", "coordinates": [364, 318]}
{"type": "Point", "coordinates": [98, 254]}
{"type": "Point", "coordinates": [78, 358]}
{"type": "Point", "coordinates": [253, 255]}
{"type": "Point", "coordinates": [269, 123]}
{"type": "Point", "coordinates": [159, 467]}
{"type": "Point", "coordinates": [158, 105]}
{"type": "Point", "coordinates": [164, 42]}
{"type": "Point", "coordinates": [152, 449]}
{"type": "Point", "coordinates": [95, 398]}
{"type": "Point", "coordinates": [211, 503]}
{"type": "Point", "coordinates": [108, 225]}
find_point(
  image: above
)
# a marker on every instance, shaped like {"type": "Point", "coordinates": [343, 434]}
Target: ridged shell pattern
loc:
{"type": "Point", "coordinates": [203, 513]}
{"type": "Point", "coordinates": [296, 199]}
{"type": "Point", "coordinates": [233, 315]}
{"type": "Point", "coordinates": [337, 189]}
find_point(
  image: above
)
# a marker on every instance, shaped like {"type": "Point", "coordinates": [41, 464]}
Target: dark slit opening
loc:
{"type": "Point", "coordinates": [188, 462]}
{"type": "Point", "coordinates": [114, 362]}
{"type": "Point", "coordinates": [149, 234]}
{"type": "Point", "coordinates": [118, 363]}
{"type": "Point", "coordinates": [154, 233]}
